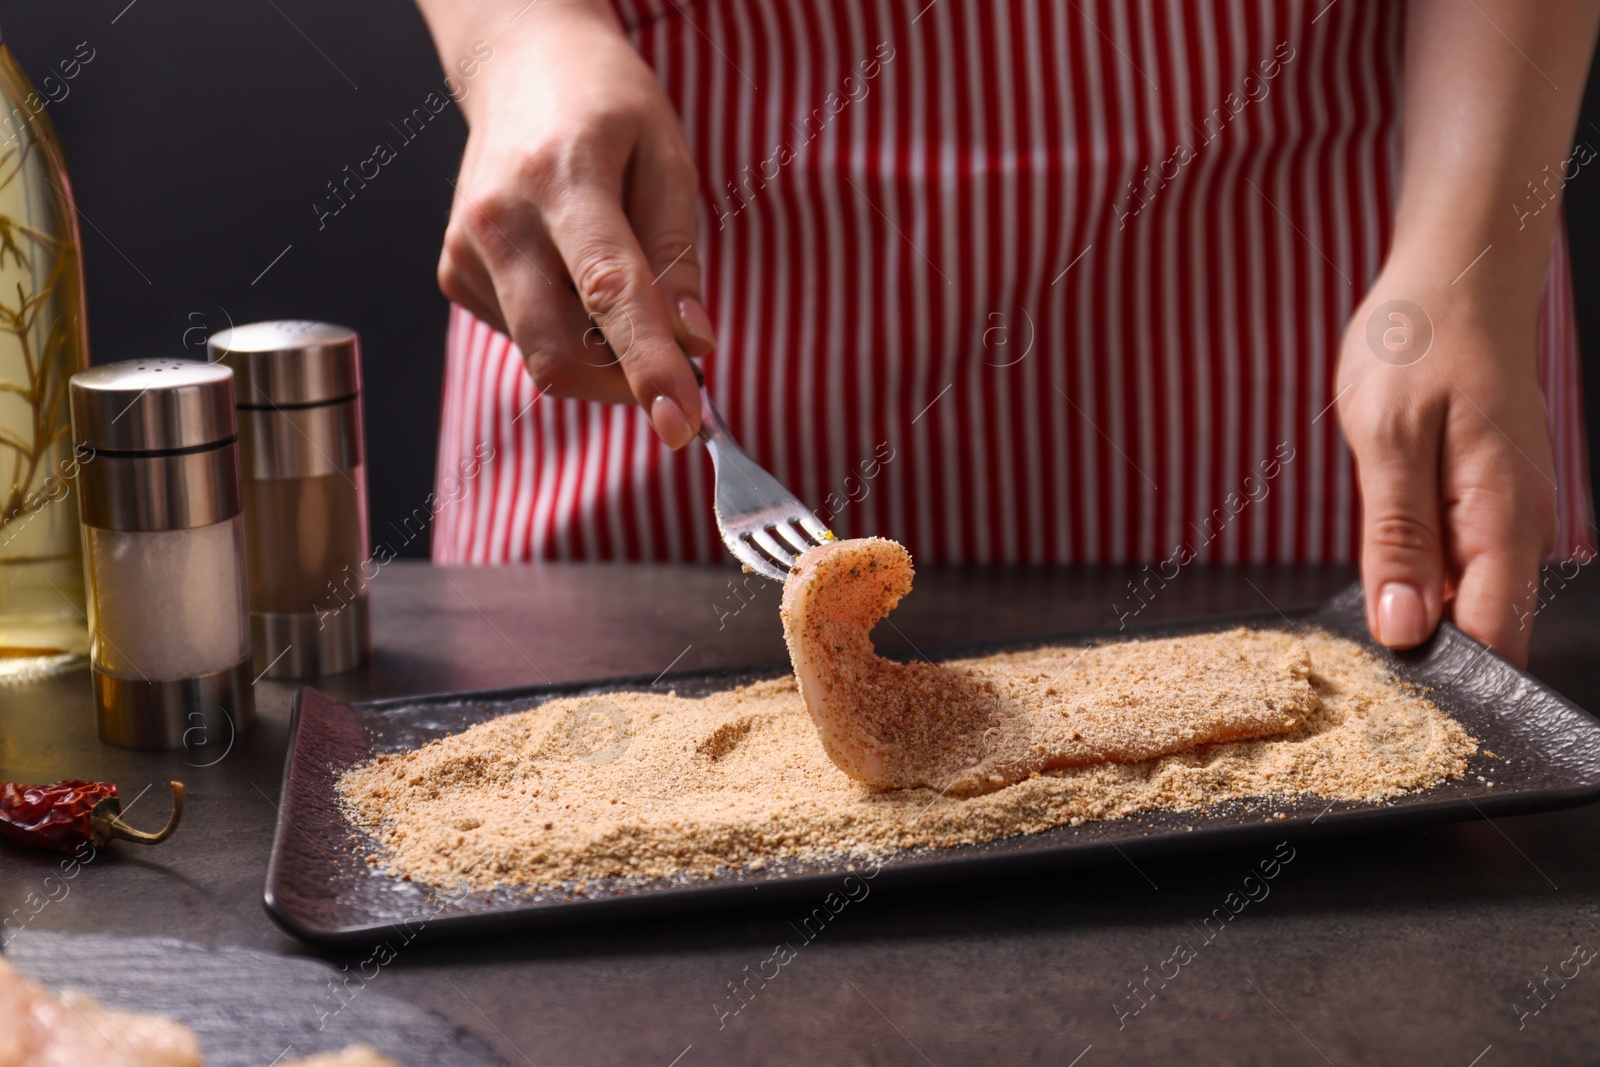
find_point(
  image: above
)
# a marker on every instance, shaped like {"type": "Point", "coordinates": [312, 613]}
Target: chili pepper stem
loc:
{"type": "Point", "coordinates": [108, 814]}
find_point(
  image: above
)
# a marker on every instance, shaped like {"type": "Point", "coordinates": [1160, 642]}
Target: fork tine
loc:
{"type": "Point", "coordinates": [792, 537]}
{"type": "Point", "coordinates": [763, 524]}
{"type": "Point", "coordinates": [783, 557]}
{"type": "Point", "coordinates": [813, 526]}
{"type": "Point", "coordinates": [754, 561]}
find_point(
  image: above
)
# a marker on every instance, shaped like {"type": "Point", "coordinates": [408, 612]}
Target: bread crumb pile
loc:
{"type": "Point", "coordinates": [645, 785]}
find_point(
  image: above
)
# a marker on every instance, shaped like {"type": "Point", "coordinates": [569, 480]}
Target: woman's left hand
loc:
{"type": "Point", "coordinates": [1440, 401]}
{"type": "Point", "coordinates": [1438, 383]}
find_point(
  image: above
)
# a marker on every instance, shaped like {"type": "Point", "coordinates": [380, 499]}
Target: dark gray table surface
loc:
{"type": "Point", "coordinates": [1408, 948]}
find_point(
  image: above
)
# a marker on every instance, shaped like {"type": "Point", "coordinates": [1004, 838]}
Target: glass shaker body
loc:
{"type": "Point", "coordinates": [305, 539]}
{"type": "Point", "coordinates": [163, 541]}
{"type": "Point", "coordinates": [166, 605]}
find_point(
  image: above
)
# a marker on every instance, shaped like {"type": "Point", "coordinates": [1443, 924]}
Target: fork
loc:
{"type": "Point", "coordinates": [765, 526]}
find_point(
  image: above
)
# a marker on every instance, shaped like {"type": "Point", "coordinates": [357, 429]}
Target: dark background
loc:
{"type": "Point", "coordinates": [202, 133]}
{"type": "Point", "coordinates": [198, 139]}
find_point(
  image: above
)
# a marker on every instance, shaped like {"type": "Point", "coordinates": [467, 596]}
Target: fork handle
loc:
{"type": "Point", "coordinates": [712, 429]}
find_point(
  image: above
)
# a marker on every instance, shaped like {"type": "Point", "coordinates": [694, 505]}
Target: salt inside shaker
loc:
{"type": "Point", "coordinates": [305, 493]}
{"type": "Point", "coordinates": [163, 538]}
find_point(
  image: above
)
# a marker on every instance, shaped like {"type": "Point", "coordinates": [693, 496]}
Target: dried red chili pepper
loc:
{"type": "Point", "coordinates": [67, 815]}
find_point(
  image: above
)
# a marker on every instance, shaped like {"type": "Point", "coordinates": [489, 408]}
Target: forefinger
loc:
{"type": "Point", "coordinates": [613, 281]}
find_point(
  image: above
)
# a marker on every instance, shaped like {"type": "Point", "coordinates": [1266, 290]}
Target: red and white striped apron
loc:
{"type": "Point", "coordinates": [1001, 279]}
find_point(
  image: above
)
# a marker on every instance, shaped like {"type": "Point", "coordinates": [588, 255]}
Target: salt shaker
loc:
{"type": "Point", "coordinates": [158, 492]}
{"type": "Point", "coordinates": [305, 493]}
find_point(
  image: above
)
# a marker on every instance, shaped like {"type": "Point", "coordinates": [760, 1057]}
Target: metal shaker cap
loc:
{"type": "Point", "coordinates": [290, 361]}
{"type": "Point", "coordinates": [152, 405]}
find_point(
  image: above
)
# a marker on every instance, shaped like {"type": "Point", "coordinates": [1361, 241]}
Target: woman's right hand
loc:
{"type": "Point", "coordinates": [573, 224]}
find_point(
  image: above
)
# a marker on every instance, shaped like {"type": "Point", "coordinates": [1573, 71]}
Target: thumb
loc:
{"type": "Point", "coordinates": [1402, 550]}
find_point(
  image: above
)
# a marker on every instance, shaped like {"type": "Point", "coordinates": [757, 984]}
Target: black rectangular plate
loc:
{"type": "Point", "coordinates": [321, 890]}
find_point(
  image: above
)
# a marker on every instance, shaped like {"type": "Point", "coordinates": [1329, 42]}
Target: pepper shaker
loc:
{"type": "Point", "coordinates": [305, 493]}
{"type": "Point", "coordinates": [163, 539]}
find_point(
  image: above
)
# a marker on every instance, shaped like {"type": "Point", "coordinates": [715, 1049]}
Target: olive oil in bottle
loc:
{"type": "Point", "coordinates": [43, 342]}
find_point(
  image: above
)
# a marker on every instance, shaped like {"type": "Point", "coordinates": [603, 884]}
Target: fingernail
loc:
{"type": "Point", "coordinates": [670, 423]}
{"type": "Point", "coordinates": [1402, 616]}
{"type": "Point", "coordinates": [697, 324]}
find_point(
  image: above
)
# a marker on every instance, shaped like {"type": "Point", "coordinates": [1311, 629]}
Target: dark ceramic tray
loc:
{"type": "Point", "coordinates": [320, 889]}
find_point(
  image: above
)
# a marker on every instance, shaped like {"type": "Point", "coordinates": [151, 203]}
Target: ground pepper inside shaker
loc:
{"type": "Point", "coordinates": [163, 553]}
{"type": "Point", "coordinates": [305, 493]}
